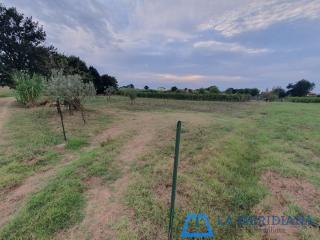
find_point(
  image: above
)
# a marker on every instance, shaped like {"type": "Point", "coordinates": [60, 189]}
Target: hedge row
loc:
{"type": "Point", "coordinates": [198, 97]}
{"type": "Point", "coordinates": [304, 99]}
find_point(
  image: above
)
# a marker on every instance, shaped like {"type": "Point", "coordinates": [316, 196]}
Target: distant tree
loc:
{"type": "Point", "coordinates": [146, 87]}
{"type": "Point", "coordinates": [202, 91]}
{"type": "Point", "coordinates": [213, 89]}
{"type": "Point", "coordinates": [94, 76]}
{"type": "Point", "coordinates": [268, 96]}
{"type": "Point", "coordinates": [300, 89]}
{"type": "Point", "coordinates": [21, 45]}
{"type": "Point", "coordinates": [254, 92]}
{"type": "Point", "coordinates": [132, 94]}
{"type": "Point", "coordinates": [229, 91]}
{"type": "Point", "coordinates": [109, 91]}
{"type": "Point", "coordinates": [174, 89]}
{"type": "Point", "coordinates": [128, 86]}
{"type": "Point", "coordinates": [279, 92]}
{"type": "Point", "coordinates": [105, 82]}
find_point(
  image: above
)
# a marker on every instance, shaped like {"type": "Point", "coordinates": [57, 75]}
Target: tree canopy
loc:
{"type": "Point", "coordinates": [252, 91]}
{"type": "Point", "coordinates": [22, 48]}
{"type": "Point", "coordinates": [21, 45]}
{"type": "Point", "coordinates": [300, 88]}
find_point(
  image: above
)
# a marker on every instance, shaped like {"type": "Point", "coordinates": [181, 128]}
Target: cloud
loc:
{"type": "Point", "coordinates": [179, 78]}
{"type": "Point", "coordinates": [228, 47]}
{"type": "Point", "coordinates": [139, 41]}
{"type": "Point", "coordinates": [261, 14]}
{"type": "Point", "coordinates": [170, 77]}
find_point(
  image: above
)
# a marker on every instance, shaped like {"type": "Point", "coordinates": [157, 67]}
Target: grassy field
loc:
{"type": "Point", "coordinates": [5, 92]}
{"type": "Point", "coordinates": [112, 179]}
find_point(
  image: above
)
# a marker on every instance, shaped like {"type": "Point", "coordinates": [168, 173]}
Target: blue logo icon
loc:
{"type": "Point", "coordinates": [196, 218]}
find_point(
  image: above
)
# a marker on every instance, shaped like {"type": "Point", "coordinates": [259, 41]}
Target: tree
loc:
{"type": "Point", "coordinates": [105, 82]}
{"type": "Point", "coordinates": [146, 87]}
{"type": "Point", "coordinates": [213, 89]}
{"type": "Point", "coordinates": [202, 91]}
{"type": "Point", "coordinates": [279, 92]}
{"type": "Point", "coordinates": [132, 94]}
{"type": "Point", "coordinates": [69, 88]}
{"type": "Point", "coordinates": [129, 86]}
{"type": "Point", "coordinates": [95, 78]}
{"type": "Point", "coordinates": [21, 45]}
{"type": "Point", "coordinates": [109, 91]}
{"type": "Point", "coordinates": [174, 89]}
{"type": "Point", "coordinates": [254, 92]}
{"type": "Point", "coordinates": [230, 91]}
{"type": "Point", "coordinates": [300, 89]}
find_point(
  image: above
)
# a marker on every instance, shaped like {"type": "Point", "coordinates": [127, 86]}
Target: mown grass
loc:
{"type": "Point", "coordinates": [219, 172]}
{"type": "Point", "coordinates": [221, 166]}
{"type": "Point", "coordinates": [28, 147]}
{"type": "Point", "coordinates": [32, 134]}
{"type": "Point", "coordinates": [169, 105]}
{"type": "Point", "coordinates": [60, 203]}
{"type": "Point", "coordinates": [76, 143]}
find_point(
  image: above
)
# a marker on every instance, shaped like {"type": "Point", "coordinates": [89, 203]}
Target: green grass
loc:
{"type": "Point", "coordinates": [76, 143]}
{"type": "Point", "coordinates": [219, 171]}
{"type": "Point", "coordinates": [29, 145]}
{"type": "Point", "coordinates": [221, 165]}
{"type": "Point", "coordinates": [169, 105]}
{"type": "Point", "coordinates": [31, 137]}
{"type": "Point", "coordinates": [60, 203]}
{"type": "Point", "coordinates": [6, 92]}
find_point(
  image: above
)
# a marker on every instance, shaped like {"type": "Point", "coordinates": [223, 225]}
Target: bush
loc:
{"type": "Point", "coordinates": [193, 96]}
{"type": "Point", "coordinates": [69, 88]}
{"type": "Point", "coordinates": [28, 89]}
{"type": "Point", "coordinates": [129, 92]}
{"type": "Point", "coordinates": [303, 99]}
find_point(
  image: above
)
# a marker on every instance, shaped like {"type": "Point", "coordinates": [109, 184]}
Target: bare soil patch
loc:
{"type": "Point", "coordinates": [286, 191]}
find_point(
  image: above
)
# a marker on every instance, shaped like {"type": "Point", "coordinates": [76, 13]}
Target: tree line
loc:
{"type": "Point", "coordinates": [23, 48]}
{"type": "Point", "coordinates": [299, 89]}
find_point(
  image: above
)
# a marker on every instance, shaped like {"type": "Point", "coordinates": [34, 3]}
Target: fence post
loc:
{"type": "Point", "coordinates": [174, 178]}
{"type": "Point", "coordinates": [61, 118]}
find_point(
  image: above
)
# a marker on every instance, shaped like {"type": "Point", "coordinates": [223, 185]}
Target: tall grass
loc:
{"type": "Point", "coordinates": [28, 89]}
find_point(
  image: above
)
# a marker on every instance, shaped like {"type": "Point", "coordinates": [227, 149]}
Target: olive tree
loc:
{"type": "Point", "coordinates": [70, 89]}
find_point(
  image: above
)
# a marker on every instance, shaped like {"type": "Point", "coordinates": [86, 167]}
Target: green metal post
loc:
{"type": "Point", "coordinates": [174, 179]}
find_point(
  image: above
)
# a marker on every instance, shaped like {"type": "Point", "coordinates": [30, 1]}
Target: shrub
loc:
{"type": "Point", "coordinates": [303, 99]}
{"type": "Point", "coordinates": [69, 88]}
{"type": "Point", "coordinates": [28, 89]}
{"type": "Point", "coordinates": [194, 96]}
{"type": "Point", "coordinates": [132, 94]}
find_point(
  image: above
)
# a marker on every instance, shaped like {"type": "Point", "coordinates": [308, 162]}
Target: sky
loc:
{"type": "Point", "coordinates": [187, 43]}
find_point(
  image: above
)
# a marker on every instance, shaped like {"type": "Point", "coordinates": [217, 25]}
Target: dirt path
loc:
{"type": "Point", "coordinates": [4, 113]}
{"type": "Point", "coordinates": [104, 203]}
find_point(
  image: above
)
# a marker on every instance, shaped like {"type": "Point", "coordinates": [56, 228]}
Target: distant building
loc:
{"type": "Point", "coordinates": [311, 94]}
